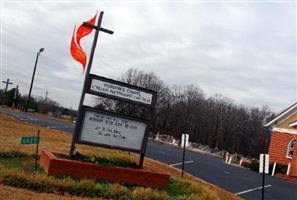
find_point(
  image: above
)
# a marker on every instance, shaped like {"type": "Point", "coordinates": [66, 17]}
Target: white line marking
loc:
{"type": "Point", "coordinates": [186, 162]}
{"type": "Point", "coordinates": [251, 190]}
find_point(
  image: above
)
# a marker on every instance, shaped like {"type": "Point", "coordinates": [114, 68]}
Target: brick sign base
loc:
{"type": "Point", "coordinates": [55, 166]}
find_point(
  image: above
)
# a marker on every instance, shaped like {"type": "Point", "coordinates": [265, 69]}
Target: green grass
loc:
{"type": "Point", "coordinates": [11, 163]}
{"type": "Point", "coordinates": [16, 170]}
{"type": "Point", "coordinates": [179, 188]}
{"type": "Point", "coordinates": [20, 161]}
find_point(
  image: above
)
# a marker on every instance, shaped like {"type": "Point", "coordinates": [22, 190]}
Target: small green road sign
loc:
{"type": "Point", "coordinates": [30, 140]}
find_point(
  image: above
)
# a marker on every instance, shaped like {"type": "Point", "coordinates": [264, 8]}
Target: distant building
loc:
{"type": "Point", "coordinates": [283, 144]}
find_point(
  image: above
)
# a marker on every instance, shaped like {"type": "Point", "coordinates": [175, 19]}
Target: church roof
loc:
{"type": "Point", "coordinates": [283, 115]}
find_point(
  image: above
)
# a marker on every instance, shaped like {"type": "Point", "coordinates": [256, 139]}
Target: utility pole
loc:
{"type": "Point", "coordinates": [33, 75]}
{"type": "Point", "coordinates": [7, 83]}
{"type": "Point", "coordinates": [16, 92]}
{"type": "Point", "coordinates": [46, 93]}
{"type": "Point", "coordinates": [6, 87]}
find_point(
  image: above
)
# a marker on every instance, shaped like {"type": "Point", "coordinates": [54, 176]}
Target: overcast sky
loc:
{"type": "Point", "coordinates": [243, 50]}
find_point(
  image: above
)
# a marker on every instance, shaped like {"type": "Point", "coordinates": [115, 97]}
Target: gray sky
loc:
{"type": "Point", "coordinates": [243, 50]}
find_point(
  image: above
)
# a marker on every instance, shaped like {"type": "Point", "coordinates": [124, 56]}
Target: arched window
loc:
{"type": "Point", "coordinates": [290, 151]}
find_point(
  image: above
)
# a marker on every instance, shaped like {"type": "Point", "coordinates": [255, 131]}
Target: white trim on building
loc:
{"type": "Point", "coordinates": [285, 130]}
{"type": "Point", "coordinates": [293, 124]}
{"type": "Point", "coordinates": [284, 114]}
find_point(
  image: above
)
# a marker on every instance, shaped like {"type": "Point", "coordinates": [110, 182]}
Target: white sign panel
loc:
{"type": "Point", "coordinates": [183, 142]}
{"type": "Point", "coordinates": [105, 129]}
{"type": "Point", "coordinates": [121, 91]}
{"type": "Point", "coordinates": [266, 164]}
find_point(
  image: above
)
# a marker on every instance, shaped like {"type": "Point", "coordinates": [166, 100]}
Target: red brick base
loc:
{"type": "Point", "coordinates": [56, 167]}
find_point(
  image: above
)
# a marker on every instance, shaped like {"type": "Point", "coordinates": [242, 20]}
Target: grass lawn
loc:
{"type": "Point", "coordinates": [17, 163]}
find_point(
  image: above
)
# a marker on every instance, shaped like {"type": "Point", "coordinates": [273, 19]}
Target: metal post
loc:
{"type": "Point", "coordinates": [33, 75]}
{"type": "Point", "coordinates": [82, 96]}
{"type": "Point", "coordinates": [184, 154]}
{"type": "Point", "coordinates": [141, 160]}
{"type": "Point", "coordinates": [263, 176]}
{"type": "Point", "coordinates": [36, 153]}
{"type": "Point", "coordinates": [152, 121]}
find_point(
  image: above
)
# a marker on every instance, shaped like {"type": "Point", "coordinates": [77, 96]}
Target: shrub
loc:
{"type": "Point", "coordinates": [14, 154]}
{"type": "Point", "coordinates": [149, 194]}
{"type": "Point", "coordinates": [113, 161]}
{"type": "Point", "coordinates": [245, 163]}
{"type": "Point", "coordinates": [254, 165]}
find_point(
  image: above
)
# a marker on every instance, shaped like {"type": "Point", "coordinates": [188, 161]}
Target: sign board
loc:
{"type": "Point", "coordinates": [266, 164]}
{"type": "Point", "coordinates": [98, 127]}
{"type": "Point", "coordinates": [30, 140]}
{"type": "Point", "coordinates": [103, 128]}
{"type": "Point", "coordinates": [118, 90]}
{"type": "Point", "coordinates": [183, 142]}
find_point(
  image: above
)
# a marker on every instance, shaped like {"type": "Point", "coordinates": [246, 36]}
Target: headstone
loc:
{"type": "Point", "coordinates": [173, 141]}
{"type": "Point", "coordinates": [157, 137]}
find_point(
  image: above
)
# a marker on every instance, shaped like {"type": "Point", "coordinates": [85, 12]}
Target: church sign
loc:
{"type": "Point", "coordinates": [118, 90]}
{"type": "Point", "coordinates": [111, 130]}
{"type": "Point", "coordinates": [103, 128]}
{"type": "Point", "coordinates": [98, 127]}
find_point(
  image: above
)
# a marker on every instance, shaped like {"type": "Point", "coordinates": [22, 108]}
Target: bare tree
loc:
{"type": "Point", "coordinates": [214, 121]}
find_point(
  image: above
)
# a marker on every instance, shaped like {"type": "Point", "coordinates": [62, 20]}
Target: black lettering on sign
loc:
{"type": "Point", "coordinates": [133, 127]}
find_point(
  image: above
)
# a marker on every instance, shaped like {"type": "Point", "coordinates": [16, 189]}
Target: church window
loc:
{"type": "Point", "coordinates": [290, 151]}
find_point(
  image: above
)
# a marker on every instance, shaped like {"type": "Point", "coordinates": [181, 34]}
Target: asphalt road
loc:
{"type": "Point", "coordinates": [206, 167]}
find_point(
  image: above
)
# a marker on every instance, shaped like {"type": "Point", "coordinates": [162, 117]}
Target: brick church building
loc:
{"type": "Point", "coordinates": [283, 144]}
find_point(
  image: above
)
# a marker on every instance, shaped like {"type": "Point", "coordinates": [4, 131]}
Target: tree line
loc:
{"type": "Point", "coordinates": [215, 121]}
{"type": "Point", "coordinates": [14, 99]}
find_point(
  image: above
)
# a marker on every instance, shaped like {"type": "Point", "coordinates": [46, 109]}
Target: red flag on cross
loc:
{"type": "Point", "coordinates": [76, 50]}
